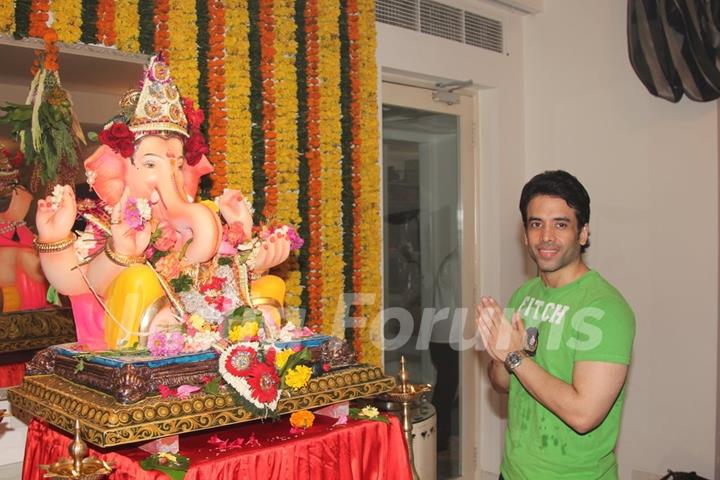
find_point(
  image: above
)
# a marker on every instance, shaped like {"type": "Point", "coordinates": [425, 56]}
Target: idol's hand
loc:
{"type": "Point", "coordinates": [55, 219]}
{"type": "Point", "coordinates": [126, 239]}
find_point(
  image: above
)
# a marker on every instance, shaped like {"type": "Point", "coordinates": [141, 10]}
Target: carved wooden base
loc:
{"type": "Point", "coordinates": [35, 329]}
{"type": "Point", "coordinates": [106, 422]}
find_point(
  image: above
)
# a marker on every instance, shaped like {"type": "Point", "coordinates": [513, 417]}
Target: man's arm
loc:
{"type": "Point", "coordinates": [585, 403]}
{"type": "Point", "coordinates": [499, 376]}
{"type": "Point", "coordinates": [582, 404]}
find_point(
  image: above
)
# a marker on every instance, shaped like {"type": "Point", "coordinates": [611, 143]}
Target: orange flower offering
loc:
{"type": "Point", "coordinates": [302, 419]}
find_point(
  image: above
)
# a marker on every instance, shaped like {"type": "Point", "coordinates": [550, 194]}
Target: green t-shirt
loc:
{"type": "Point", "coordinates": [587, 319]}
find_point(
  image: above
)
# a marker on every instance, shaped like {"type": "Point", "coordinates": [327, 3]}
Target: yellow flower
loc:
{"type": "Point", "coordinates": [302, 419]}
{"type": "Point", "coordinates": [127, 19]}
{"type": "Point", "coordinates": [369, 412]}
{"type": "Point", "coordinates": [167, 456]}
{"type": "Point", "coordinates": [67, 20]}
{"type": "Point", "coordinates": [211, 205]}
{"type": "Point", "coordinates": [7, 17]}
{"type": "Point", "coordinates": [282, 356]}
{"type": "Point", "coordinates": [298, 377]}
{"type": "Point", "coordinates": [239, 333]}
{"type": "Point", "coordinates": [198, 323]}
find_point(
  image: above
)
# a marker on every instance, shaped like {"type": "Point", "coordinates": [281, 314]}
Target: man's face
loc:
{"type": "Point", "coordinates": [552, 235]}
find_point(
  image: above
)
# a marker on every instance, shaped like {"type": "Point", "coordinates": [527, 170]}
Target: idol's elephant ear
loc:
{"type": "Point", "coordinates": [106, 173]}
{"type": "Point", "coordinates": [192, 173]}
{"type": "Point", "coordinates": [649, 52]}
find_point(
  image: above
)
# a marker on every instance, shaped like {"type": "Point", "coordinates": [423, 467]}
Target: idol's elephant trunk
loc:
{"type": "Point", "coordinates": [193, 220]}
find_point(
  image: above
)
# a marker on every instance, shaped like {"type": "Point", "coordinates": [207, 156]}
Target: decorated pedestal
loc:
{"type": "Point", "coordinates": [106, 422]}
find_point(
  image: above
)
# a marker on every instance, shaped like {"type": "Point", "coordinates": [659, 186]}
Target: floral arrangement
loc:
{"type": "Point", "coordinates": [304, 149]}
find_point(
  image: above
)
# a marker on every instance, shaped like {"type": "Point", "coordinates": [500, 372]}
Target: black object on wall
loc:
{"type": "Point", "coordinates": [674, 47]}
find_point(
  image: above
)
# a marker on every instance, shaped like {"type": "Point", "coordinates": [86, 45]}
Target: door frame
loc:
{"type": "Point", "coordinates": [418, 94]}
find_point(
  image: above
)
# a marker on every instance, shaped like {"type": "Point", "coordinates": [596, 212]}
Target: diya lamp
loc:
{"type": "Point", "coordinates": [79, 466]}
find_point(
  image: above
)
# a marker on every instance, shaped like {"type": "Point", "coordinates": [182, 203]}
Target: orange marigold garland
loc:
{"type": "Point", "coordinates": [38, 17]}
{"type": "Point", "coordinates": [267, 59]}
{"type": "Point", "coordinates": [356, 155]}
{"type": "Point", "coordinates": [314, 278]}
{"type": "Point", "coordinates": [217, 118]}
{"type": "Point", "coordinates": [162, 34]}
{"type": "Point", "coordinates": [106, 23]}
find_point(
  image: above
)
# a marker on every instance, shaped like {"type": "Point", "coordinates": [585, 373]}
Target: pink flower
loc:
{"type": "Point", "coordinates": [234, 233]}
{"type": "Point", "coordinates": [174, 343]}
{"type": "Point", "coordinates": [156, 344]}
{"type": "Point", "coordinates": [167, 239]}
{"type": "Point", "coordinates": [184, 391]}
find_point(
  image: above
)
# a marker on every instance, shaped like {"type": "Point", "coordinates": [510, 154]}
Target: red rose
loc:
{"type": "Point", "coordinates": [194, 117]}
{"type": "Point", "coordinates": [195, 148]}
{"type": "Point", "coordinates": [119, 137]}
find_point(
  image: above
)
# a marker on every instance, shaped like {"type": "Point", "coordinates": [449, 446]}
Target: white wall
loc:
{"type": "Point", "coordinates": [651, 169]}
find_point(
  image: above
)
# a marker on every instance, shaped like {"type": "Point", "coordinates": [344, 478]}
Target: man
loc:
{"type": "Point", "coordinates": [565, 402]}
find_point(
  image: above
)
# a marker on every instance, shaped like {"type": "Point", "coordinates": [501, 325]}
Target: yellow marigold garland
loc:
{"type": "Point", "coordinates": [182, 25]}
{"type": "Point", "coordinates": [7, 17]}
{"type": "Point", "coordinates": [330, 150]}
{"type": "Point", "coordinates": [286, 143]}
{"type": "Point", "coordinates": [237, 74]}
{"type": "Point", "coordinates": [127, 20]}
{"type": "Point", "coordinates": [66, 20]}
{"type": "Point", "coordinates": [370, 211]}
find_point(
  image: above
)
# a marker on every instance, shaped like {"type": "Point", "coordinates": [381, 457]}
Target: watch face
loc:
{"type": "Point", "coordinates": [512, 360]}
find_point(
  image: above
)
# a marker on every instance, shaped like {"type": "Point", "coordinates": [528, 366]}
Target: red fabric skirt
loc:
{"type": "Point", "coordinates": [12, 374]}
{"type": "Point", "coordinates": [360, 450]}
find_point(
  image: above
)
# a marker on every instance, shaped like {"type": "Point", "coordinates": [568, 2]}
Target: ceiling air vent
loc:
{"type": "Point", "coordinates": [441, 20]}
{"type": "Point", "coordinates": [483, 32]}
{"type": "Point", "coordinates": [400, 13]}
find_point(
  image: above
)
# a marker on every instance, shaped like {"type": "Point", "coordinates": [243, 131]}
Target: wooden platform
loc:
{"type": "Point", "coordinates": [106, 422]}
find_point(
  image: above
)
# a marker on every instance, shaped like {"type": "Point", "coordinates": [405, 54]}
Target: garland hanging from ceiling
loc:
{"type": "Point", "coordinates": [289, 90]}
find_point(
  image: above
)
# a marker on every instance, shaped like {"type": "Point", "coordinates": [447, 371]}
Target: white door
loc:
{"type": "Point", "coordinates": [429, 242]}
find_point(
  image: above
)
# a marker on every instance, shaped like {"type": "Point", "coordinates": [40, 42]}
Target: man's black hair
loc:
{"type": "Point", "coordinates": [558, 183]}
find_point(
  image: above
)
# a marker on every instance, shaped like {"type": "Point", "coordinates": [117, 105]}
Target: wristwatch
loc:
{"type": "Point", "coordinates": [531, 341]}
{"type": "Point", "coordinates": [513, 360]}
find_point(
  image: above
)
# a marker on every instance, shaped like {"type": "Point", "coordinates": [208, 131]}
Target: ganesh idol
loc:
{"type": "Point", "coordinates": [151, 257]}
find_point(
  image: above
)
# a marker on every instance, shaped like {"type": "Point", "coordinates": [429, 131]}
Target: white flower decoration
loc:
{"type": "Point", "coordinates": [57, 194]}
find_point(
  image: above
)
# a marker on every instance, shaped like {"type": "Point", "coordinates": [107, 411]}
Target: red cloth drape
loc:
{"type": "Point", "coordinates": [360, 450]}
{"type": "Point", "coordinates": [12, 374]}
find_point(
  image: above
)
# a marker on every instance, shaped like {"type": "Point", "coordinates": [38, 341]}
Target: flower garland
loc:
{"type": "Point", "coordinates": [146, 26]}
{"type": "Point", "coordinates": [203, 48]}
{"type": "Point", "coordinates": [348, 194]}
{"type": "Point", "coordinates": [7, 17]}
{"type": "Point", "coordinates": [267, 60]}
{"type": "Point", "coordinates": [22, 17]}
{"type": "Point", "coordinates": [217, 122]}
{"type": "Point", "coordinates": [237, 75]}
{"type": "Point", "coordinates": [106, 23]}
{"type": "Point", "coordinates": [127, 21]}
{"type": "Point", "coordinates": [331, 154]}
{"type": "Point", "coordinates": [161, 15]}
{"type": "Point", "coordinates": [39, 15]}
{"type": "Point", "coordinates": [182, 26]}
{"type": "Point", "coordinates": [355, 114]}
{"type": "Point", "coordinates": [256, 109]}
{"type": "Point", "coordinates": [285, 78]}
{"type": "Point", "coordinates": [315, 266]}
{"type": "Point", "coordinates": [302, 145]}
{"type": "Point", "coordinates": [67, 15]}
{"type": "Point", "coordinates": [370, 226]}
{"type": "Point", "coordinates": [89, 21]}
